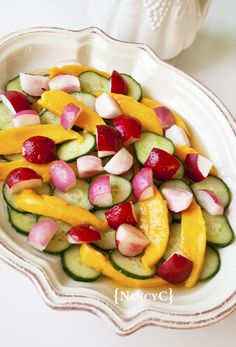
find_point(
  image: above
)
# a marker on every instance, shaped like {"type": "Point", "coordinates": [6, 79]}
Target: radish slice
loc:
{"type": "Point", "coordinates": [42, 233]}
{"type": "Point", "coordinates": [120, 214]}
{"type": "Point", "coordinates": [22, 178]}
{"type": "Point", "coordinates": [100, 191]}
{"type": "Point", "coordinates": [26, 118]}
{"type": "Point", "coordinates": [107, 107]}
{"type": "Point", "coordinates": [33, 85]}
{"type": "Point", "coordinates": [67, 62]}
{"type": "Point", "coordinates": [210, 202]}
{"type": "Point", "coordinates": [83, 233]}
{"type": "Point", "coordinates": [120, 163]}
{"type": "Point", "coordinates": [15, 101]}
{"type": "Point", "coordinates": [108, 140]}
{"type": "Point", "coordinates": [67, 83]}
{"type": "Point", "coordinates": [165, 116]}
{"type": "Point", "coordinates": [69, 115]}
{"type": "Point", "coordinates": [63, 176]}
{"type": "Point", "coordinates": [130, 240]}
{"type": "Point", "coordinates": [143, 184]}
{"type": "Point", "coordinates": [177, 199]}
{"type": "Point", "coordinates": [89, 166]}
{"type": "Point", "coordinates": [177, 135]}
{"type": "Point", "coordinates": [197, 167]}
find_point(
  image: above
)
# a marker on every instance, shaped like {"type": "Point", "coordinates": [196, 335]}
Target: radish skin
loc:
{"type": "Point", "coordinates": [42, 233]}
{"type": "Point", "coordinates": [165, 116]}
{"type": "Point", "coordinates": [210, 202]}
{"type": "Point", "coordinates": [66, 83]}
{"type": "Point", "coordinates": [197, 167]}
{"type": "Point", "coordinates": [62, 176]}
{"type": "Point", "coordinates": [177, 199]}
{"type": "Point", "coordinates": [33, 85]}
{"type": "Point", "coordinates": [100, 191]}
{"type": "Point", "coordinates": [89, 166]}
{"type": "Point", "coordinates": [143, 184]}
{"type": "Point", "coordinates": [69, 115]}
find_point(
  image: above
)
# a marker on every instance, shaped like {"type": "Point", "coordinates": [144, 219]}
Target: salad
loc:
{"type": "Point", "coordinates": [106, 178]}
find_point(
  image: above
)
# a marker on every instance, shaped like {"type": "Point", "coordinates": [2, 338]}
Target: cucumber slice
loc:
{"type": "Point", "coordinates": [71, 150]}
{"type": "Point", "coordinates": [211, 265]}
{"type": "Point", "coordinates": [107, 242]}
{"type": "Point", "coordinates": [120, 188]}
{"type": "Point", "coordinates": [86, 98]}
{"type": "Point", "coordinates": [5, 117]}
{"type": "Point", "coordinates": [12, 157]}
{"type": "Point", "coordinates": [174, 240]}
{"type": "Point", "coordinates": [47, 117]}
{"type": "Point", "coordinates": [74, 267]}
{"type": "Point", "coordinates": [216, 185]}
{"type": "Point", "coordinates": [147, 142]}
{"type": "Point", "coordinates": [134, 88]}
{"type": "Point", "coordinates": [218, 230]}
{"type": "Point", "coordinates": [175, 183]}
{"type": "Point", "coordinates": [59, 242]}
{"type": "Point", "coordinates": [93, 82]}
{"type": "Point", "coordinates": [10, 199]}
{"type": "Point", "coordinates": [77, 196]}
{"type": "Point", "coordinates": [21, 222]}
{"type": "Point", "coordinates": [131, 266]}
{"type": "Point", "coordinates": [14, 84]}
{"type": "Point", "coordinates": [2, 159]}
{"type": "Point", "coordinates": [180, 172]}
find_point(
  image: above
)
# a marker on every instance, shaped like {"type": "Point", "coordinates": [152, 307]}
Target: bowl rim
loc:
{"type": "Point", "coordinates": [98, 306]}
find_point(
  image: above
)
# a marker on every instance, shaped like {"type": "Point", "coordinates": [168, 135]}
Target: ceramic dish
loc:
{"type": "Point", "coordinates": [213, 128]}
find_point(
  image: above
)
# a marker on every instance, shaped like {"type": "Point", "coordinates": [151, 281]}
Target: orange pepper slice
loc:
{"type": "Point", "coordinates": [75, 70]}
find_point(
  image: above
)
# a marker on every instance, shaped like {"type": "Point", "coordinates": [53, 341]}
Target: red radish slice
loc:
{"type": "Point", "coordinates": [129, 128]}
{"type": "Point", "coordinates": [67, 62]}
{"type": "Point", "coordinates": [89, 166]}
{"type": "Point", "coordinates": [177, 199]}
{"type": "Point", "coordinates": [130, 240]}
{"type": "Point", "coordinates": [62, 176]}
{"type": "Point", "coordinates": [100, 191]}
{"type": "Point", "coordinates": [175, 269]}
{"type": "Point", "coordinates": [33, 85]}
{"type": "Point", "coordinates": [165, 116]}
{"type": "Point", "coordinates": [120, 214]}
{"type": "Point", "coordinates": [210, 202]}
{"type": "Point", "coordinates": [107, 107]}
{"type": "Point", "coordinates": [15, 101]}
{"type": "Point", "coordinates": [83, 233]}
{"type": "Point", "coordinates": [22, 178]}
{"type": "Point", "coordinates": [143, 184]}
{"type": "Point", "coordinates": [108, 141]}
{"type": "Point", "coordinates": [67, 83]}
{"type": "Point", "coordinates": [69, 115]}
{"type": "Point", "coordinates": [163, 164]}
{"type": "Point", "coordinates": [39, 150]}
{"type": "Point", "coordinates": [177, 135]}
{"type": "Point", "coordinates": [120, 163]}
{"type": "Point", "coordinates": [26, 118]}
{"type": "Point", "coordinates": [197, 167]}
{"type": "Point", "coordinates": [42, 233]}
{"type": "Point", "coordinates": [118, 83]}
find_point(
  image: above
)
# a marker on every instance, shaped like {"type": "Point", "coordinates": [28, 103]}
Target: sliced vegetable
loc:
{"type": "Point", "coordinates": [197, 167]}
{"type": "Point", "coordinates": [39, 150]}
{"type": "Point", "coordinates": [6, 117]}
{"type": "Point", "coordinates": [134, 88]}
{"type": "Point", "coordinates": [86, 99]}
{"type": "Point", "coordinates": [83, 233]}
{"type": "Point", "coordinates": [12, 157]}
{"type": "Point", "coordinates": [33, 85]}
{"type": "Point", "coordinates": [67, 83]}
{"type": "Point", "coordinates": [177, 135]}
{"type": "Point", "coordinates": [210, 202]}
{"type": "Point", "coordinates": [41, 234]}
{"type": "Point", "coordinates": [107, 107]}
{"type": "Point", "coordinates": [47, 117]}
{"type": "Point", "coordinates": [107, 242]}
{"type": "Point", "coordinates": [15, 101]}
{"type": "Point", "coordinates": [21, 222]}
{"type": "Point", "coordinates": [175, 184]}
{"type": "Point", "coordinates": [22, 178]}
{"type": "Point", "coordinates": [26, 118]}
{"type": "Point", "coordinates": [120, 163]}
{"type": "Point", "coordinates": [118, 83]}
{"type": "Point", "coordinates": [93, 82]}
{"type": "Point", "coordinates": [120, 214]}
{"type": "Point", "coordinates": [14, 84]}
{"type": "Point", "coordinates": [74, 69]}
{"type": "Point", "coordinates": [143, 184]}
{"type": "Point", "coordinates": [69, 116]}
{"type": "Point", "coordinates": [108, 141]}
{"type": "Point", "coordinates": [62, 176]}
{"type": "Point", "coordinates": [100, 191]}
{"type": "Point", "coordinates": [211, 265]}
{"type": "Point", "coordinates": [177, 199]}
{"type": "Point", "coordinates": [88, 166]}
{"type": "Point", "coordinates": [129, 128]}
{"type": "Point", "coordinates": [174, 240]}
{"type": "Point", "coordinates": [165, 116]}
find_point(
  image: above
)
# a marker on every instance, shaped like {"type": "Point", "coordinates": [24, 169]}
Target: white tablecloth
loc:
{"type": "Point", "coordinates": [25, 320]}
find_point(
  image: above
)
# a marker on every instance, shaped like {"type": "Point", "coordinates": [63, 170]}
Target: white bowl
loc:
{"type": "Point", "coordinates": [213, 132]}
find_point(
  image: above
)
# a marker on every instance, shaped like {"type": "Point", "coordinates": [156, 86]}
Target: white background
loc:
{"type": "Point", "coordinates": [25, 320]}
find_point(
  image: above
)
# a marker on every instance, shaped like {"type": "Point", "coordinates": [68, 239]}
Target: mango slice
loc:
{"type": "Point", "coordinates": [182, 151]}
{"type": "Point", "coordinates": [55, 207]}
{"type": "Point", "coordinates": [144, 114]}
{"type": "Point", "coordinates": [99, 262]}
{"type": "Point", "coordinates": [178, 120]}
{"type": "Point", "coordinates": [11, 140]}
{"type": "Point", "coordinates": [193, 240]}
{"type": "Point", "coordinates": [56, 100]}
{"type": "Point", "coordinates": [75, 70]}
{"type": "Point", "coordinates": [153, 216]}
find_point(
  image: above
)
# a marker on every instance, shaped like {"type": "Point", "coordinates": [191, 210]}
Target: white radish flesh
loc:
{"type": "Point", "coordinates": [210, 202]}
{"type": "Point", "coordinates": [130, 240]}
{"type": "Point", "coordinates": [89, 166]}
{"type": "Point", "coordinates": [165, 116]}
{"type": "Point", "coordinates": [26, 118]}
{"type": "Point", "coordinates": [67, 83]}
{"type": "Point", "coordinates": [177, 135]}
{"type": "Point", "coordinates": [177, 199]}
{"type": "Point", "coordinates": [107, 107]}
{"type": "Point", "coordinates": [100, 191]}
{"type": "Point", "coordinates": [33, 85]}
{"type": "Point", "coordinates": [69, 116]}
{"type": "Point", "coordinates": [42, 233]}
{"type": "Point", "coordinates": [120, 163]}
{"type": "Point", "coordinates": [197, 167]}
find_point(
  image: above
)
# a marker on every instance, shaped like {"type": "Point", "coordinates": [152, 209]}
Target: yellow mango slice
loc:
{"type": "Point", "coordinates": [55, 207]}
{"type": "Point", "coordinates": [56, 100]}
{"type": "Point", "coordinates": [182, 151]}
{"type": "Point", "coordinates": [75, 70]}
{"type": "Point", "coordinates": [11, 140]}
{"type": "Point", "coordinates": [144, 114]}
{"type": "Point", "coordinates": [153, 217]}
{"type": "Point", "coordinates": [193, 240]}
{"type": "Point", "coordinates": [99, 262]}
{"type": "Point", "coordinates": [178, 120]}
